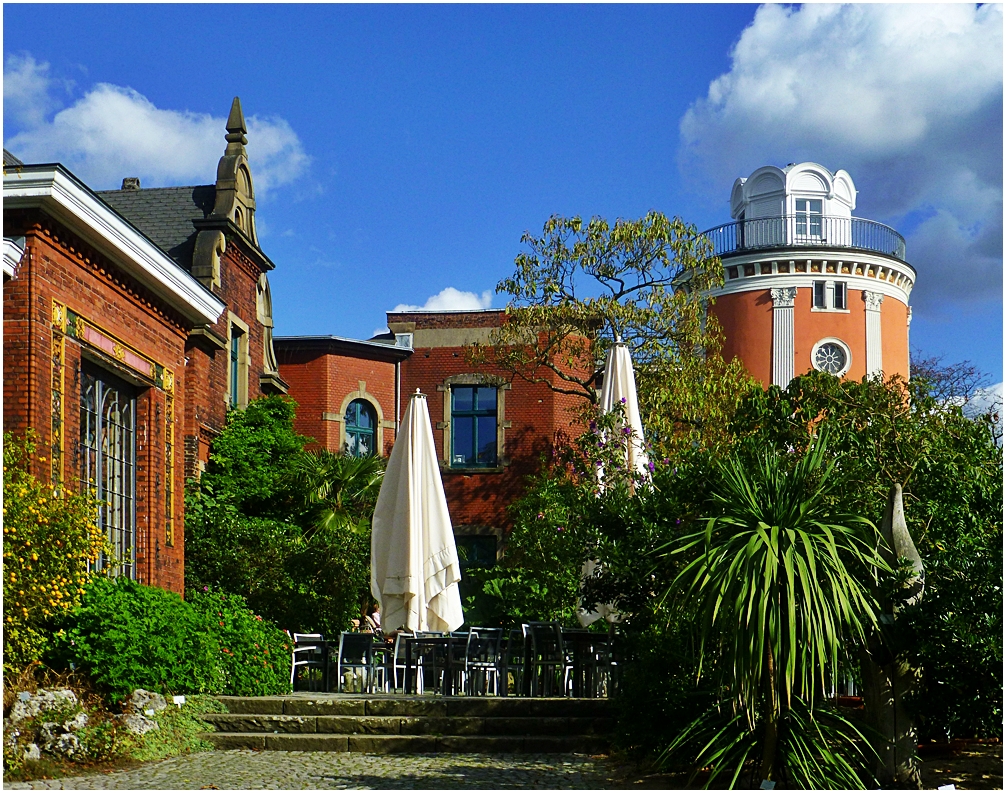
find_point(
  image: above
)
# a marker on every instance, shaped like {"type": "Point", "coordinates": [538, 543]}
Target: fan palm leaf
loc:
{"type": "Point", "coordinates": [337, 490]}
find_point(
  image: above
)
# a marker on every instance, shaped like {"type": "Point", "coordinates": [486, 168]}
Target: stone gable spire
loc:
{"type": "Point", "coordinates": [237, 132]}
{"type": "Point", "coordinates": [235, 198]}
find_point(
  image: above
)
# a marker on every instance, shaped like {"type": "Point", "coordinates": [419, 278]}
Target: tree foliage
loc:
{"type": "Point", "coordinates": [579, 286]}
{"type": "Point", "coordinates": [287, 530]}
{"type": "Point", "coordinates": [777, 579]}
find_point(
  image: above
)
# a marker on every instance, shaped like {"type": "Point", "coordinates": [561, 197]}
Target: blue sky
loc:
{"type": "Point", "coordinates": [400, 152]}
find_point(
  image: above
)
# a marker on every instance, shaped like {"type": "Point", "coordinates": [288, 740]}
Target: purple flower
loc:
{"type": "Point", "coordinates": [622, 400]}
{"type": "Point", "coordinates": [652, 467]}
{"type": "Point", "coordinates": [598, 463]}
{"type": "Point", "coordinates": [206, 589]}
{"type": "Point", "coordinates": [677, 522]}
{"type": "Point", "coordinates": [541, 516]}
{"type": "Point", "coordinates": [667, 460]}
{"type": "Point", "coordinates": [626, 430]}
{"type": "Point", "coordinates": [593, 425]}
{"type": "Point", "coordinates": [561, 528]}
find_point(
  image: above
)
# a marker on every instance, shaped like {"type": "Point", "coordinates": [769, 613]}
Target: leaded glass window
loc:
{"type": "Point", "coordinates": [361, 429]}
{"type": "Point", "coordinates": [108, 463]}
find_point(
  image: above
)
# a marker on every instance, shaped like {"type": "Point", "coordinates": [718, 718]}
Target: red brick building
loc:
{"type": "Point", "coordinates": [132, 320]}
{"type": "Point", "coordinates": [490, 433]}
{"type": "Point", "coordinates": [347, 391]}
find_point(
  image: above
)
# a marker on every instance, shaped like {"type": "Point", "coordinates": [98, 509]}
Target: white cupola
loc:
{"type": "Point", "coordinates": [804, 188]}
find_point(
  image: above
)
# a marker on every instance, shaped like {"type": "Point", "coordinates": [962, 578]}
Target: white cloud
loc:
{"type": "Point", "coordinates": [112, 132]}
{"type": "Point", "coordinates": [451, 299]}
{"type": "Point", "coordinates": [908, 99]}
{"type": "Point", "coordinates": [28, 90]}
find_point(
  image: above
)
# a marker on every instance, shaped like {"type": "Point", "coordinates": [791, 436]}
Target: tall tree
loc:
{"type": "Point", "coordinates": [581, 285]}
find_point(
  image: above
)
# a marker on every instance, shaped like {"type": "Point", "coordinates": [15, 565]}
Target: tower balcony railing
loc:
{"type": "Point", "coordinates": [805, 231]}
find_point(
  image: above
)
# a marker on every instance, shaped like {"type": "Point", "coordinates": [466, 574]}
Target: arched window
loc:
{"type": "Point", "coordinates": [361, 429]}
{"type": "Point", "coordinates": [107, 463]}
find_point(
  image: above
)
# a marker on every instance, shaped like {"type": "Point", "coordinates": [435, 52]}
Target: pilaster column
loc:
{"type": "Point", "coordinates": [874, 354]}
{"type": "Point", "coordinates": [908, 339]}
{"type": "Point", "coordinates": [783, 300]}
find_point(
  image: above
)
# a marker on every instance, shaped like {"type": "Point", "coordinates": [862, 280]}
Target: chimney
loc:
{"type": "Point", "coordinates": [131, 183]}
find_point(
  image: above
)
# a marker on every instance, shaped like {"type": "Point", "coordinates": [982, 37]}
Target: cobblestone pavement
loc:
{"type": "Point", "coordinates": [247, 769]}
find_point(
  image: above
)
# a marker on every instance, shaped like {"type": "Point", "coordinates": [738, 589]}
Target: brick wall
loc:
{"type": "Point", "coordinates": [536, 415]}
{"type": "Point", "coordinates": [59, 266]}
{"type": "Point", "coordinates": [321, 381]}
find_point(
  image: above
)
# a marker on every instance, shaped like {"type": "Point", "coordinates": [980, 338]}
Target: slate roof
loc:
{"type": "Point", "coordinates": [10, 159]}
{"type": "Point", "coordinates": [165, 215]}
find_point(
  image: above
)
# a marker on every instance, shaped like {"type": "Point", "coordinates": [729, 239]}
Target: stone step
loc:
{"type": "Point", "coordinates": [375, 705]}
{"type": "Point", "coordinates": [413, 744]}
{"type": "Point", "coordinates": [410, 725]}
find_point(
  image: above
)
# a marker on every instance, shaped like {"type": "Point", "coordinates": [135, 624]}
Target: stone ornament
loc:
{"type": "Point", "coordinates": [872, 300]}
{"type": "Point", "coordinates": [784, 297]}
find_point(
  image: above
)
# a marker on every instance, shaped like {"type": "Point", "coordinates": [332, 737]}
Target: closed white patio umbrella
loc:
{"type": "Point", "coordinates": [618, 386]}
{"type": "Point", "coordinates": [413, 559]}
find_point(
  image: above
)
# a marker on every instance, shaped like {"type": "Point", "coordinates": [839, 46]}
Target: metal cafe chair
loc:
{"type": "Point", "coordinates": [482, 662]}
{"type": "Point", "coordinates": [356, 654]}
{"type": "Point", "coordinates": [309, 654]}
{"type": "Point", "coordinates": [514, 658]}
{"type": "Point", "coordinates": [587, 662]}
{"type": "Point", "coordinates": [398, 662]}
{"type": "Point", "coordinates": [431, 662]}
{"type": "Point", "coordinates": [548, 667]}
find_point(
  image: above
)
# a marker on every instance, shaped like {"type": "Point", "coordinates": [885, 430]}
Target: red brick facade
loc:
{"type": "Point", "coordinates": [68, 301]}
{"type": "Point", "coordinates": [103, 302]}
{"type": "Point", "coordinates": [324, 374]}
{"type": "Point", "coordinates": [530, 416]}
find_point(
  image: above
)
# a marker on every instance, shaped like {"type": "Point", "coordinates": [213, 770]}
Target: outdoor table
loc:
{"type": "Point", "coordinates": [448, 643]}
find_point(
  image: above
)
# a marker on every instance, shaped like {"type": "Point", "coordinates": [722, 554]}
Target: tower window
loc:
{"type": "Point", "coordinates": [473, 426]}
{"type": "Point", "coordinates": [819, 295]}
{"type": "Point", "coordinates": [840, 293]}
{"type": "Point", "coordinates": [832, 356]}
{"type": "Point", "coordinates": [808, 217]}
{"type": "Point", "coordinates": [361, 429]}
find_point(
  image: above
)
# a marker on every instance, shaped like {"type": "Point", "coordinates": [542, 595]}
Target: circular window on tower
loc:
{"type": "Point", "coordinates": [832, 356]}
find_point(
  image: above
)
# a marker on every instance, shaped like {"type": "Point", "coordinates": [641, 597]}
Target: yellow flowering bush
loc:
{"type": "Point", "coordinates": [47, 542]}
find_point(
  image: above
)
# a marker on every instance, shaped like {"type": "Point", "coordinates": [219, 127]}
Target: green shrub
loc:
{"type": "Point", "coordinates": [178, 732]}
{"type": "Point", "coordinates": [254, 653]}
{"type": "Point", "coordinates": [128, 636]}
{"type": "Point", "coordinates": [287, 531]}
{"type": "Point", "coordinates": [47, 543]}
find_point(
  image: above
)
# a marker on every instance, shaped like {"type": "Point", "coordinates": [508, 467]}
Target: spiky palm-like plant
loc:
{"type": "Point", "coordinates": [779, 581]}
{"type": "Point", "coordinates": [338, 490]}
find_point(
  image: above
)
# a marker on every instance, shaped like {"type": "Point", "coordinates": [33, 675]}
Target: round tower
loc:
{"type": "Point", "coordinates": [806, 284]}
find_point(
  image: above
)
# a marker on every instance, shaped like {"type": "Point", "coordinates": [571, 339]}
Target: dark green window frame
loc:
{"type": "Point", "coordinates": [474, 426]}
{"type": "Point", "coordinates": [358, 434]}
